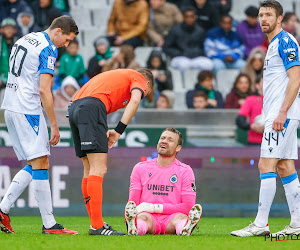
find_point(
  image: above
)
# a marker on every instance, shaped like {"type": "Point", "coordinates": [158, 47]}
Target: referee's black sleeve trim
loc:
{"type": "Point", "coordinates": [242, 122]}
{"type": "Point", "coordinates": [140, 90]}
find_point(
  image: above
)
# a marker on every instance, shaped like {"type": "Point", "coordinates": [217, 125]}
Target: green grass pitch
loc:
{"type": "Point", "coordinates": [213, 233]}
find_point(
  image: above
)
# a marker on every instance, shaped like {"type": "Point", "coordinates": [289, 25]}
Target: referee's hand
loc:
{"type": "Point", "coordinates": [113, 137]}
{"type": "Point", "coordinates": [54, 135]}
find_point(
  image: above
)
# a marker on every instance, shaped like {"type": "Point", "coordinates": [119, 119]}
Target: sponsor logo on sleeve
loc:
{"type": "Point", "coordinates": [292, 56]}
{"type": "Point", "coordinates": [193, 187]}
{"type": "Point", "coordinates": [51, 62]}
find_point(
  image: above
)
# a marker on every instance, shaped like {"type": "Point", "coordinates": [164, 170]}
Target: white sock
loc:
{"type": "Point", "coordinates": [266, 197]}
{"type": "Point", "coordinates": [292, 192]}
{"type": "Point", "coordinates": [16, 188]}
{"type": "Point", "coordinates": [42, 193]}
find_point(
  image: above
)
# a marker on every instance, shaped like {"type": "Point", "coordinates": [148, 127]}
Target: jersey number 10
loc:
{"type": "Point", "coordinates": [18, 53]}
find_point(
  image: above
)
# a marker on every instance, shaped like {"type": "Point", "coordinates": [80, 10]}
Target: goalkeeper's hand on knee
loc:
{"type": "Point", "coordinates": [150, 208]}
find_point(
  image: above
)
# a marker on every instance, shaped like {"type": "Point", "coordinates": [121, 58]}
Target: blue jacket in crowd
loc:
{"type": "Point", "coordinates": [218, 44]}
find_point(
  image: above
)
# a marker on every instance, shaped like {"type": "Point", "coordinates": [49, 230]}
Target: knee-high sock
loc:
{"type": "Point", "coordinates": [266, 197]}
{"type": "Point", "coordinates": [142, 227]}
{"type": "Point", "coordinates": [292, 192]}
{"type": "Point", "coordinates": [85, 195]}
{"type": "Point", "coordinates": [94, 189]}
{"type": "Point", "coordinates": [42, 193]}
{"type": "Point", "coordinates": [16, 188]}
{"type": "Point", "coordinates": [179, 225]}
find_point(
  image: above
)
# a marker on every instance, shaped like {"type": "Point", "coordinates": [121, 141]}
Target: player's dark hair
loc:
{"type": "Point", "coordinates": [273, 4]}
{"type": "Point", "coordinates": [175, 131]}
{"type": "Point", "coordinates": [201, 93]}
{"type": "Point", "coordinates": [205, 74]}
{"type": "Point", "coordinates": [66, 23]}
{"type": "Point", "coordinates": [287, 16]}
{"type": "Point", "coordinates": [148, 75]}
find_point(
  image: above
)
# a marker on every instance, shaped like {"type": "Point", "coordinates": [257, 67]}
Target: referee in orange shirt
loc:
{"type": "Point", "coordinates": [102, 95]}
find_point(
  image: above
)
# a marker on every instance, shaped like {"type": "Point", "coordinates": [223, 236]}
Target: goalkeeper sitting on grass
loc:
{"type": "Point", "coordinates": [163, 193]}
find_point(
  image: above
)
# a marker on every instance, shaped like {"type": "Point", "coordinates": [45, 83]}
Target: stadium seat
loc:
{"type": "Point", "coordinates": [177, 80]}
{"type": "Point", "coordinates": [190, 78]}
{"type": "Point", "coordinates": [99, 17]}
{"type": "Point", "coordinates": [82, 16]}
{"type": "Point", "coordinates": [179, 103]}
{"type": "Point", "coordinates": [238, 8]}
{"type": "Point", "coordinates": [142, 54]}
{"type": "Point", "coordinates": [225, 79]}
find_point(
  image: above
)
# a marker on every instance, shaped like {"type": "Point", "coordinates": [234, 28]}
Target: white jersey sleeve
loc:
{"type": "Point", "coordinates": [282, 54]}
{"type": "Point", "coordinates": [31, 55]}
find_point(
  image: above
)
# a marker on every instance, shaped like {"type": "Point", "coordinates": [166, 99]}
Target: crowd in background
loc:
{"type": "Point", "coordinates": [186, 34]}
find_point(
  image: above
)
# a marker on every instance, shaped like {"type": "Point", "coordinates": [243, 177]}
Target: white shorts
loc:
{"type": "Point", "coordinates": [280, 145]}
{"type": "Point", "coordinates": [28, 134]}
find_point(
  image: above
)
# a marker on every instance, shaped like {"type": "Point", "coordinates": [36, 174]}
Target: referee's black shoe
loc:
{"type": "Point", "coordinates": [106, 230]}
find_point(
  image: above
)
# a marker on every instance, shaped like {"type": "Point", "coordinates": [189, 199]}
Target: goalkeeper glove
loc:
{"type": "Point", "coordinates": [150, 208]}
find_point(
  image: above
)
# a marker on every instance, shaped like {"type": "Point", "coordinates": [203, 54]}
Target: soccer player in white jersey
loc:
{"type": "Point", "coordinates": [281, 107]}
{"type": "Point", "coordinates": [164, 190]}
{"type": "Point", "coordinates": [31, 68]}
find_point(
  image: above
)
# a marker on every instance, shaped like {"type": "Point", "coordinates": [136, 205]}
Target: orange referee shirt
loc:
{"type": "Point", "coordinates": [113, 88]}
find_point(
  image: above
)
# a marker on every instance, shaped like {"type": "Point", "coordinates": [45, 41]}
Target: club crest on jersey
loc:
{"type": "Point", "coordinates": [125, 102]}
{"type": "Point", "coordinates": [51, 62]}
{"type": "Point", "coordinates": [173, 178]}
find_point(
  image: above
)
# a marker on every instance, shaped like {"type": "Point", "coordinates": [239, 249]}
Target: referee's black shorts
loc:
{"type": "Point", "coordinates": [88, 121]}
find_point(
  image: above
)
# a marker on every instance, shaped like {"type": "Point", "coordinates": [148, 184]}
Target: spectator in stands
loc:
{"type": "Point", "coordinates": [125, 60]}
{"type": "Point", "coordinates": [240, 91]}
{"type": "Point", "coordinates": [205, 84]}
{"type": "Point", "coordinates": [223, 6]}
{"type": "Point", "coordinates": [250, 31]}
{"type": "Point", "coordinates": [62, 5]}
{"type": "Point", "coordinates": [66, 92]}
{"type": "Point", "coordinates": [11, 8]}
{"type": "Point", "coordinates": [127, 23]}
{"type": "Point", "coordinates": [165, 100]}
{"type": "Point", "coordinates": [162, 76]}
{"type": "Point", "coordinates": [103, 54]}
{"type": "Point", "coordinates": [184, 44]}
{"type": "Point", "coordinates": [290, 23]}
{"type": "Point", "coordinates": [200, 100]}
{"type": "Point", "coordinates": [71, 64]}
{"type": "Point", "coordinates": [26, 24]}
{"type": "Point", "coordinates": [7, 39]}
{"type": "Point", "coordinates": [44, 13]}
{"type": "Point", "coordinates": [250, 116]}
{"type": "Point", "coordinates": [163, 16]}
{"type": "Point", "coordinates": [206, 13]}
{"type": "Point", "coordinates": [254, 66]}
{"type": "Point", "coordinates": [224, 46]}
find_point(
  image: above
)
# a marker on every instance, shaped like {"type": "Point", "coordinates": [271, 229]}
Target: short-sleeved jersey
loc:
{"type": "Point", "coordinates": [163, 185]}
{"type": "Point", "coordinates": [113, 88]}
{"type": "Point", "coordinates": [31, 55]}
{"type": "Point", "coordinates": [282, 54]}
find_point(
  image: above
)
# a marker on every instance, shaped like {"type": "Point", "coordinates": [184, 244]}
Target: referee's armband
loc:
{"type": "Point", "coordinates": [120, 127]}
